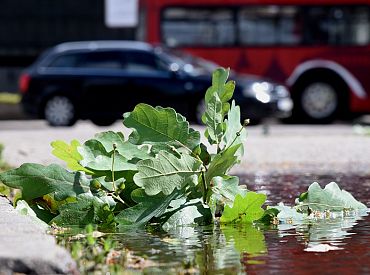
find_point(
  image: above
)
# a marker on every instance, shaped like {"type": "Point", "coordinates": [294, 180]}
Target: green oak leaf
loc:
{"type": "Point", "coordinates": [288, 214]}
{"type": "Point", "coordinates": [96, 158]}
{"type": "Point", "coordinates": [125, 148]}
{"type": "Point", "coordinates": [246, 239]}
{"type": "Point", "coordinates": [224, 190]}
{"type": "Point", "coordinates": [269, 217]}
{"type": "Point", "coordinates": [222, 162]}
{"type": "Point", "coordinates": [193, 212]}
{"type": "Point", "coordinates": [146, 208]}
{"type": "Point", "coordinates": [245, 209]}
{"type": "Point", "coordinates": [216, 103]}
{"type": "Point", "coordinates": [24, 209]}
{"type": "Point", "coordinates": [213, 119]}
{"type": "Point", "coordinates": [224, 90]}
{"type": "Point", "coordinates": [234, 127]}
{"type": "Point", "coordinates": [107, 139]}
{"type": "Point", "coordinates": [330, 198]}
{"type": "Point", "coordinates": [160, 126]}
{"type": "Point", "coordinates": [166, 172]}
{"type": "Point", "coordinates": [202, 152]}
{"type": "Point", "coordinates": [69, 154]}
{"type": "Point", "coordinates": [36, 180]}
{"type": "Point", "coordinates": [88, 209]}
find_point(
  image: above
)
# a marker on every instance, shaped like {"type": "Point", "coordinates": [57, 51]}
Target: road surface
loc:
{"type": "Point", "coordinates": [286, 148]}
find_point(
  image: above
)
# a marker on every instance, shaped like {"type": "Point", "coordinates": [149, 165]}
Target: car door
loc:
{"type": "Point", "coordinates": [151, 81]}
{"type": "Point", "coordinates": [103, 83]}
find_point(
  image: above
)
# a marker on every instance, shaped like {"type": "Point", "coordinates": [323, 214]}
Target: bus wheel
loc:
{"type": "Point", "coordinates": [60, 111]}
{"type": "Point", "coordinates": [318, 102]}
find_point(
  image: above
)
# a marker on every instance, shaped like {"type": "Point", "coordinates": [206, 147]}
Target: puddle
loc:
{"type": "Point", "coordinates": [332, 246]}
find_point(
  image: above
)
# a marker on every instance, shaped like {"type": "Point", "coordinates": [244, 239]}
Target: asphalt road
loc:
{"type": "Point", "coordinates": [317, 149]}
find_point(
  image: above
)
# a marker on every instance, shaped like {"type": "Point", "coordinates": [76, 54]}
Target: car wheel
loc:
{"type": "Point", "coordinates": [318, 102]}
{"type": "Point", "coordinates": [60, 111]}
{"type": "Point", "coordinates": [103, 121]}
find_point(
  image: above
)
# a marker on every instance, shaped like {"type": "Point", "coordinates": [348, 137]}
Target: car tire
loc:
{"type": "Point", "coordinates": [103, 121]}
{"type": "Point", "coordinates": [60, 111]}
{"type": "Point", "coordinates": [318, 102]}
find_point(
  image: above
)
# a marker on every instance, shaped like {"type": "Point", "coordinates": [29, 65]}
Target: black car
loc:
{"type": "Point", "coordinates": [100, 80]}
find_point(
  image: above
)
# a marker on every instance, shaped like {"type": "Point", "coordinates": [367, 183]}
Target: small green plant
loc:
{"type": "Point", "coordinates": [93, 251]}
{"type": "Point", "coordinates": [161, 173]}
{"type": "Point", "coordinates": [4, 190]}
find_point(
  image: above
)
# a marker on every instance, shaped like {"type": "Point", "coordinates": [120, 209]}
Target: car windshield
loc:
{"type": "Point", "coordinates": [179, 60]}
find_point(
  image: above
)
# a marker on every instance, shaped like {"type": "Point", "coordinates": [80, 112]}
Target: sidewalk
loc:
{"type": "Point", "coordinates": [26, 248]}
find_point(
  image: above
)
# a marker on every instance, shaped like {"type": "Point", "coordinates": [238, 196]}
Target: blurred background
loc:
{"type": "Point", "coordinates": [318, 50]}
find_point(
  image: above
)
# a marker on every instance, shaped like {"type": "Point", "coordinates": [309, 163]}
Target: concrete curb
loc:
{"type": "Point", "coordinates": [26, 248]}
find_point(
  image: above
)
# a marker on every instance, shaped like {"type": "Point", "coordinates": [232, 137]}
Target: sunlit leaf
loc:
{"type": "Point", "coordinates": [125, 148]}
{"type": "Point", "coordinates": [213, 119]}
{"type": "Point", "coordinates": [96, 158]}
{"type": "Point", "coordinates": [161, 126]}
{"type": "Point", "coordinates": [235, 134]}
{"type": "Point", "coordinates": [216, 103]}
{"type": "Point", "coordinates": [36, 180]}
{"type": "Point", "coordinates": [330, 198]}
{"type": "Point", "coordinates": [224, 90]}
{"type": "Point", "coordinates": [245, 209]}
{"type": "Point", "coordinates": [288, 214]}
{"type": "Point", "coordinates": [69, 154]}
{"type": "Point", "coordinates": [224, 190]}
{"type": "Point", "coordinates": [166, 172]}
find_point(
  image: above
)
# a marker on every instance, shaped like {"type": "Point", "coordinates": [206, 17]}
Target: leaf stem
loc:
{"type": "Point", "coordinates": [113, 157]}
{"type": "Point", "coordinates": [218, 148]}
{"type": "Point", "coordinates": [204, 186]}
{"type": "Point", "coordinates": [246, 122]}
{"type": "Point", "coordinates": [118, 198]}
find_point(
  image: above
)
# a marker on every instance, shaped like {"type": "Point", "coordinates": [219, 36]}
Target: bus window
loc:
{"type": "Point", "coordinates": [201, 27]}
{"type": "Point", "coordinates": [338, 25]}
{"type": "Point", "coordinates": [269, 25]}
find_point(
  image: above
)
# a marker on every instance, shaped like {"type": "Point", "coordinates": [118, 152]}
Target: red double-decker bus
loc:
{"type": "Point", "coordinates": [319, 48]}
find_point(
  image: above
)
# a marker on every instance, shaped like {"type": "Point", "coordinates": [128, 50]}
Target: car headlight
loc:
{"type": "Point", "coordinates": [281, 91]}
{"type": "Point", "coordinates": [260, 90]}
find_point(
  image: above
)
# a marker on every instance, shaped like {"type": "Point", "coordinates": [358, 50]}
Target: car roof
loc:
{"type": "Point", "coordinates": [103, 45]}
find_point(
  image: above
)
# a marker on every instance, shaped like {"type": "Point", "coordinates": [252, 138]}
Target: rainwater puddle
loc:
{"type": "Point", "coordinates": [286, 248]}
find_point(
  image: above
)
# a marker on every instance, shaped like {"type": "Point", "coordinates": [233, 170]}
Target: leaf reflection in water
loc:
{"type": "Point", "coordinates": [323, 233]}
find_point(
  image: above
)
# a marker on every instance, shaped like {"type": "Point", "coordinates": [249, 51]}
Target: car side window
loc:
{"type": "Point", "coordinates": [101, 60]}
{"type": "Point", "coordinates": [90, 60]}
{"type": "Point", "coordinates": [65, 61]}
{"type": "Point", "coordinates": [140, 62]}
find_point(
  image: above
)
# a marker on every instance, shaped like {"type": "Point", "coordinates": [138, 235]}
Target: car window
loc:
{"type": "Point", "coordinates": [65, 61]}
{"type": "Point", "coordinates": [98, 60]}
{"type": "Point", "coordinates": [141, 62]}
{"type": "Point", "coordinates": [101, 60]}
